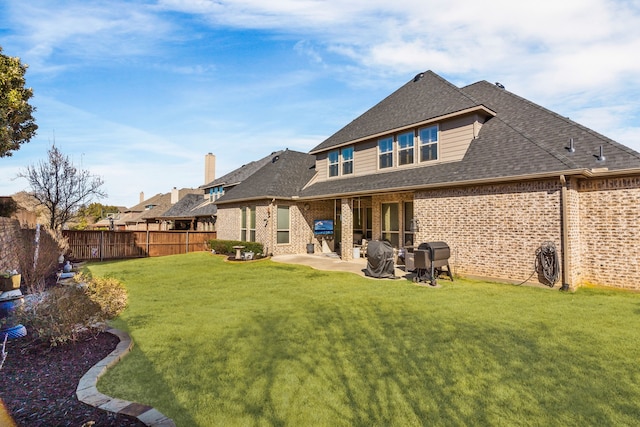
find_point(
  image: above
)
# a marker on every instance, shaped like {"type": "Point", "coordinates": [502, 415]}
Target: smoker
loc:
{"type": "Point", "coordinates": [429, 260]}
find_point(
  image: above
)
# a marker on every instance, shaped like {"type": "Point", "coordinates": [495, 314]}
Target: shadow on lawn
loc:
{"type": "Point", "coordinates": [363, 366]}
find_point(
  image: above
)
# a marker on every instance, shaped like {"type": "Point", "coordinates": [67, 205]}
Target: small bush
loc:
{"type": "Point", "coordinates": [62, 313]}
{"type": "Point", "coordinates": [59, 315]}
{"type": "Point", "coordinates": [226, 246]}
{"type": "Point", "coordinates": [107, 292]}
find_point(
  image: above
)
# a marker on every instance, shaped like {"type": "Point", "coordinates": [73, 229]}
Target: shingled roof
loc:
{"type": "Point", "coordinates": [284, 176]}
{"type": "Point", "coordinates": [522, 139]}
{"type": "Point", "coordinates": [425, 97]}
{"type": "Point", "coordinates": [236, 176]}
{"type": "Point", "coordinates": [191, 206]}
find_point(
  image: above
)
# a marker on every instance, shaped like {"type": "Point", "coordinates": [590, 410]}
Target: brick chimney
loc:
{"type": "Point", "coordinates": [209, 168]}
{"type": "Point", "coordinates": [175, 195]}
{"type": "Point", "coordinates": [141, 196]}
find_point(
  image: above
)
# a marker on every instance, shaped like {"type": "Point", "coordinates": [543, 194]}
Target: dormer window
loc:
{"type": "Point", "coordinates": [428, 143]}
{"type": "Point", "coordinates": [148, 207]}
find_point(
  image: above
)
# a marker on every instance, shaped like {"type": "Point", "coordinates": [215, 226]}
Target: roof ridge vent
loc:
{"type": "Point", "coordinates": [500, 85]}
{"type": "Point", "coordinates": [418, 77]}
{"type": "Point", "coordinates": [275, 159]}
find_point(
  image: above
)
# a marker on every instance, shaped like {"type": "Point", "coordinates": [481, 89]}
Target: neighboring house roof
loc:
{"type": "Point", "coordinates": [284, 176]}
{"type": "Point", "coordinates": [191, 206]}
{"type": "Point", "coordinates": [522, 139]}
{"type": "Point", "coordinates": [236, 176]}
{"type": "Point", "coordinates": [159, 204]}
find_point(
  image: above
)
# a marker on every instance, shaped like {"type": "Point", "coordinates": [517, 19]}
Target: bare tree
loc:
{"type": "Point", "coordinates": [61, 188]}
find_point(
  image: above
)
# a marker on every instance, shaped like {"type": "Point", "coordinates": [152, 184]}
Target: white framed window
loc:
{"type": "Point", "coordinates": [405, 148]}
{"type": "Point", "coordinates": [334, 160]}
{"type": "Point", "coordinates": [243, 224]}
{"type": "Point", "coordinates": [283, 224]}
{"type": "Point", "coordinates": [385, 153]}
{"type": "Point", "coordinates": [252, 224]}
{"type": "Point", "coordinates": [347, 160]}
{"type": "Point", "coordinates": [428, 143]}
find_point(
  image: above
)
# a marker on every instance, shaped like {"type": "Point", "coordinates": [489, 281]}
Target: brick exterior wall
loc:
{"type": "Point", "coordinates": [610, 232]}
{"type": "Point", "coordinates": [493, 231]}
{"type": "Point", "coordinates": [301, 216]}
{"type": "Point", "coordinates": [9, 238]}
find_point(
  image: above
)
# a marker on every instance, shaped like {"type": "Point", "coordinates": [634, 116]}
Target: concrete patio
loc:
{"type": "Point", "coordinates": [333, 263]}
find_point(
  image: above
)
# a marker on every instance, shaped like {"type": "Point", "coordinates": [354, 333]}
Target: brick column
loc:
{"type": "Point", "coordinates": [347, 229]}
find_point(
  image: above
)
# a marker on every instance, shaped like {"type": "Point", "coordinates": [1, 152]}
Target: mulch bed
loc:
{"type": "Point", "coordinates": [38, 383]}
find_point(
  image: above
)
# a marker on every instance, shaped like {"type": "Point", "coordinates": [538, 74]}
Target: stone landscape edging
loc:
{"type": "Point", "coordinates": [89, 394]}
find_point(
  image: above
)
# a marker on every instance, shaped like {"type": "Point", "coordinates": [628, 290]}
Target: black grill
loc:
{"type": "Point", "coordinates": [429, 260]}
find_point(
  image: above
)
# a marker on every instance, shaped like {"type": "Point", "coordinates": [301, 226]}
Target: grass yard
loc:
{"type": "Point", "coordinates": [263, 344]}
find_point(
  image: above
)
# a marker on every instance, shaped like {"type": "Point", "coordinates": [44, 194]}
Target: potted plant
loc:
{"type": "Point", "coordinates": [9, 281]}
{"type": "Point", "coordinates": [311, 248]}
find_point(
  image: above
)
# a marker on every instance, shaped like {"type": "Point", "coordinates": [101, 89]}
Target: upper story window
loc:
{"type": "Point", "coordinates": [347, 160]}
{"type": "Point", "coordinates": [428, 143]}
{"type": "Point", "coordinates": [405, 148]}
{"type": "Point", "coordinates": [334, 159]}
{"type": "Point", "coordinates": [343, 157]}
{"type": "Point", "coordinates": [385, 153]}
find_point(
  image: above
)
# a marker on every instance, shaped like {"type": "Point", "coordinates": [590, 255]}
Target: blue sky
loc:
{"type": "Point", "coordinates": [139, 91]}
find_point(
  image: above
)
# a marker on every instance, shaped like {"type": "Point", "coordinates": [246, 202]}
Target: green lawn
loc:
{"type": "Point", "coordinates": [262, 344]}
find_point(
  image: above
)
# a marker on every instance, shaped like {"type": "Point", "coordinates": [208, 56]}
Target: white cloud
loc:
{"type": "Point", "coordinates": [98, 31]}
{"type": "Point", "coordinates": [576, 57]}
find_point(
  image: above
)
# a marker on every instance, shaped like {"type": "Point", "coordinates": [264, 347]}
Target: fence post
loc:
{"type": "Point", "coordinates": [148, 253]}
{"type": "Point", "coordinates": [101, 246]}
{"type": "Point", "coordinates": [187, 239]}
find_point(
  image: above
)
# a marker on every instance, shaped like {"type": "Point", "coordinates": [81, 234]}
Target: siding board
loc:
{"type": "Point", "coordinates": [455, 137]}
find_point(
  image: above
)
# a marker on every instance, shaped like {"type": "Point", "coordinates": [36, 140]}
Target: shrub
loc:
{"type": "Point", "coordinates": [107, 292]}
{"type": "Point", "coordinates": [59, 315]}
{"type": "Point", "coordinates": [226, 246]}
{"type": "Point", "coordinates": [62, 313]}
{"type": "Point", "coordinates": [47, 249]}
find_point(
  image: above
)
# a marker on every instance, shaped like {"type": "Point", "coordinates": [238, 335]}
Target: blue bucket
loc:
{"type": "Point", "coordinates": [10, 326]}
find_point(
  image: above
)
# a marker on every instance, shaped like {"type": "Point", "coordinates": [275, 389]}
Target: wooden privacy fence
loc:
{"type": "Point", "coordinates": [86, 245]}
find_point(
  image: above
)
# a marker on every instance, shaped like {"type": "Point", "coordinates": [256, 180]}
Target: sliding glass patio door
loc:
{"type": "Point", "coordinates": [391, 223]}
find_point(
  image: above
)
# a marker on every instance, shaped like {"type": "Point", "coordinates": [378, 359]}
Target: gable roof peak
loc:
{"type": "Point", "coordinates": [426, 96]}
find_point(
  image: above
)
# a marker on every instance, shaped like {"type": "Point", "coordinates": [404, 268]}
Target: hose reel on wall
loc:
{"type": "Point", "coordinates": [547, 264]}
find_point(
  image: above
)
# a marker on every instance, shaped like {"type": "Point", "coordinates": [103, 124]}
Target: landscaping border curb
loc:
{"type": "Point", "coordinates": [89, 394]}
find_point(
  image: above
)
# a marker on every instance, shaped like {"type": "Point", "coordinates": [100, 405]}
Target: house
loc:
{"type": "Point", "coordinates": [257, 208]}
{"type": "Point", "coordinates": [193, 212]}
{"type": "Point", "coordinates": [492, 174]}
{"type": "Point", "coordinates": [148, 214]}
